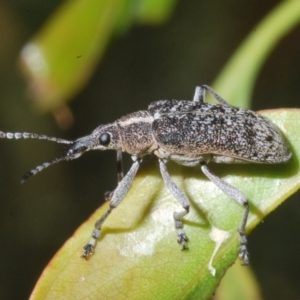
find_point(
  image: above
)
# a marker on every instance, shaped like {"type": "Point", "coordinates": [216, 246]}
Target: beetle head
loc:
{"type": "Point", "coordinates": [102, 138]}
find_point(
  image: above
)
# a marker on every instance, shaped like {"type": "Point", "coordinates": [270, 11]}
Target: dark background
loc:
{"type": "Point", "coordinates": [145, 64]}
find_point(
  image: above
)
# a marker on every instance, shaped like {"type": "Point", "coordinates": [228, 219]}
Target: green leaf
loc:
{"type": "Point", "coordinates": [154, 11]}
{"type": "Point", "coordinates": [238, 283]}
{"type": "Point", "coordinates": [137, 256]}
{"type": "Point", "coordinates": [236, 82]}
{"type": "Point", "coordinates": [60, 59]}
{"type": "Point", "coordinates": [237, 79]}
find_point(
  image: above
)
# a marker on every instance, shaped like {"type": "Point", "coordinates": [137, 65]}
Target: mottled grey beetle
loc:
{"type": "Point", "coordinates": [187, 132]}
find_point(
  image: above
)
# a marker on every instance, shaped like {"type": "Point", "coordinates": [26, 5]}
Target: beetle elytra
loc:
{"type": "Point", "coordinates": [188, 132]}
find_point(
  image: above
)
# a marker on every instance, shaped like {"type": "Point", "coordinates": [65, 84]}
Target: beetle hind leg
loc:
{"type": "Point", "coordinates": [244, 254]}
{"type": "Point", "coordinates": [241, 199]}
{"type": "Point", "coordinates": [181, 198]}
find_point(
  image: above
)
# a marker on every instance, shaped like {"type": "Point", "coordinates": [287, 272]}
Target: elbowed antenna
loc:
{"type": "Point", "coordinates": [42, 167]}
{"type": "Point", "coordinates": [28, 135]}
{"type": "Point", "coordinates": [73, 151]}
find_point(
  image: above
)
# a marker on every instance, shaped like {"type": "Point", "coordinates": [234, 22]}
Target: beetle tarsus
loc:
{"type": "Point", "coordinates": [108, 195]}
{"type": "Point", "coordinates": [244, 254]}
{"type": "Point", "coordinates": [182, 239]}
{"type": "Point", "coordinates": [88, 250]}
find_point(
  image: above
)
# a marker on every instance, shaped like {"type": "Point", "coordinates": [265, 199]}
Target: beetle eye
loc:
{"type": "Point", "coordinates": [104, 139]}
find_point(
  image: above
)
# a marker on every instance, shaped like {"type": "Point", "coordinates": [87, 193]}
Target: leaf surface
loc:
{"type": "Point", "coordinates": [137, 256]}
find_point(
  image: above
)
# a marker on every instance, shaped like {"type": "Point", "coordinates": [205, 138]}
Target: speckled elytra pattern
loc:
{"type": "Point", "coordinates": [188, 128]}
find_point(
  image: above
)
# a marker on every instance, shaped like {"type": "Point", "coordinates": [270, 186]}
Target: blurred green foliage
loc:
{"type": "Point", "coordinates": [59, 59]}
{"type": "Point", "coordinates": [144, 66]}
{"type": "Point", "coordinates": [98, 23]}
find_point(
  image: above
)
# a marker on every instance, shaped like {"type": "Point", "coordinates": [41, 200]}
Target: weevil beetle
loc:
{"type": "Point", "coordinates": [188, 132]}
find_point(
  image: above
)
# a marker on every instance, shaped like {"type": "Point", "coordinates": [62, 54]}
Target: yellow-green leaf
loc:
{"type": "Point", "coordinates": [238, 283]}
{"type": "Point", "coordinates": [60, 58]}
{"type": "Point", "coordinates": [137, 256]}
{"type": "Point", "coordinates": [237, 78]}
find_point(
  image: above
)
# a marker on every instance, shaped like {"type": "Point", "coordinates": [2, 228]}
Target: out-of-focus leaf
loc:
{"type": "Point", "coordinates": [236, 82]}
{"type": "Point", "coordinates": [237, 79]}
{"type": "Point", "coordinates": [238, 283]}
{"type": "Point", "coordinates": [138, 257]}
{"type": "Point", "coordinates": [59, 60]}
{"type": "Point", "coordinates": [154, 11]}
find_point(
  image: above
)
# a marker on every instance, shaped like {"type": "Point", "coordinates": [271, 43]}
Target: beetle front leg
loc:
{"type": "Point", "coordinates": [118, 194]}
{"type": "Point", "coordinates": [238, 197]}
{"type": "Point", "coordinates": [108, 195]}
{"type": "Point", "coordinates": [181, 198]}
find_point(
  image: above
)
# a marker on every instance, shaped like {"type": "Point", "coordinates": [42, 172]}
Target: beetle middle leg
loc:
{"type": "Point", "coordinates": [199, 95]}
{"type": "Point", "coordinates": [181, 198]}
{"type": "Point", "coordinates": [221, 100]}
{"type": "Point", "coordinates": [117, 196]}
{"type": "Point", "coordinates": [238, 197]}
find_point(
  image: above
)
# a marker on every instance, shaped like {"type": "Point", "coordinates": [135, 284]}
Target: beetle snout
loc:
{"type": "Point", "coordinates": [78, 148]}
{"type": "Point", "coordinates": [74, 152]}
